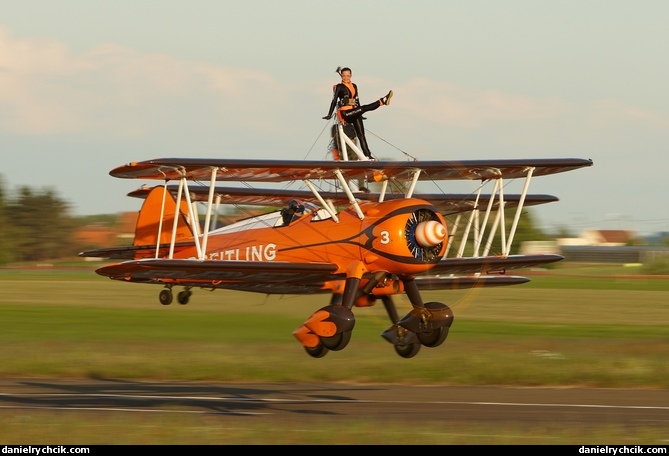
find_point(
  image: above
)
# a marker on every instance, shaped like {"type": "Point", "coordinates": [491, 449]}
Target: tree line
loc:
{"type": "Point", "coordinates": [35, 225]}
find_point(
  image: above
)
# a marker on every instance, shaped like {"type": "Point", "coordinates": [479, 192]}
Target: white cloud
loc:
{"type": "Point", "coordinates": [114, 91]}
{"type": "Point", "coordinates": [443, 103]}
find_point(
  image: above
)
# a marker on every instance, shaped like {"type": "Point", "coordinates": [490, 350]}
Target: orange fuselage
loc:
{"type": "Point", "coordinates": [377, 243]}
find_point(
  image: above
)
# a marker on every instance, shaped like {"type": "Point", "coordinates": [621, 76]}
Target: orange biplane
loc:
{"type": "Point", "coordinates": [333, 236]}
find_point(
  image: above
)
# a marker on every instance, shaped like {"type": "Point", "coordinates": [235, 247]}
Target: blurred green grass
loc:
{"type": "Point", "coordinates": [75, 323]}
{"type": "Point", "coordinates": [572, 327]}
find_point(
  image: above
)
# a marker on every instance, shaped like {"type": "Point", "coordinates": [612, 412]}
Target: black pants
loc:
{"type": "Point", "coordinates": [354, 117]}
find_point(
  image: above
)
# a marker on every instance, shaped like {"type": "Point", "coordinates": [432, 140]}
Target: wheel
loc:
{"type": "Point", "coordinates": [165, 297]}
{"type": "Point", "coordinates": [407, 351]}
{"type": "Point", "coordinates": [183, 297]}
{"type": "Point", "coordinates": [318, 351]}
{"type": "Point", "coordinates": [433, 338]}
{"type": "Point", "coordinates": [338, 341]}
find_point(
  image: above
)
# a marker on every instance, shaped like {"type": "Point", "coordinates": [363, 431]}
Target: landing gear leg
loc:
{"type": "Point", "coordinates": [350, 292]}
{"type": "Point", "coordinates": [405, 342]}
{"type": "Point", "coordinates": [426, 324]}
{"type": "Point", "coordinates": [335, 300]}
{"type": "Point", "coordinates": [330, 328]}
{"type": "Point", "coordinates": [430, 321]}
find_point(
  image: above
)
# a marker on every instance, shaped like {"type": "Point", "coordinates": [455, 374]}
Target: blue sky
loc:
{"type": "Point", "coordinates": [87, 86]}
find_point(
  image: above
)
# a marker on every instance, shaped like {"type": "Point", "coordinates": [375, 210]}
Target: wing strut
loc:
{"type": "Point", "coordinates": [216, 208]}
{"type": "Point", "coordinates": [506, 238]}
{"type": "Point", "coordinates": [194, 221]}
{"type": "Point", "coordinates": [160, 223]}
{"type": "Point", "coordinates": [344, 140]}
{"type": "Point", "coordinates": [519, 210]}
{"type": "Point", "coordinates": [465, 237]}
{"type": "Point", "coordinates": [493, 232]}
{"type": "Point", "coordinates": [491, 202]}
{"type": "Point", "coordinates": [478, 227]}
{"type": "Point", "coordinates": [351, 198]}
{"type": "Point", "coordinates": [210, 206]}
{"type": "Point", "coordinates": [176, 216]}
{"type": "Point", "coordinates": [326, 206]}
{"type": "Point", "coordinates": [414, 180]}
{"type": "Point", "coordinates": [384, 187]}
{"type": "Point", "coordinates": [451, 235]}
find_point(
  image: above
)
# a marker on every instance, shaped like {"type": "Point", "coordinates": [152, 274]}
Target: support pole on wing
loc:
{"type": "Point", "coordinates": [351, 198]}
{"type": "Point", "coordinates": [493, 232]}
{"type": "Point", "coordinates": [324, 204]}
{"type": "Point", "coordinates": [210, 205]}
{"type": "Point", "coordinates": [194, 220]}
{"type": "Point", "coordinates": [478, 228]}
{"type": "Point", "coordinates": [502, 219]}
{"type": "Point", "coordinates": [196, 238]}
{"type": "Point", "coordinates": [344, 140]}
{"type": "Point", "coordinates": [486, 217]}
{"type": "Point", "coordinates": [451, 234]}
{"type": "Point", "coordinates": [414, 180]}
{"type": "Point", "coordinates": [465, 237]}
{"type": "Point", "coordinates": [519, 210]}
{"type": "Point", "coordinates": [216, 208]}
{"type": "Point", "coordinates": [384, 188]}
{"type": "Point", "coordinates": [176, 217]}
{"type": "Point", "coordinates": [160, 223]}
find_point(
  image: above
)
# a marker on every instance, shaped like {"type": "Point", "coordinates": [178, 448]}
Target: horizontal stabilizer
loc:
{"type": "Point", "coordinates": [132, 252]}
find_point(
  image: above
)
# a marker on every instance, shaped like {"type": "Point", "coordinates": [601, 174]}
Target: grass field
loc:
{"type": "Point", "coordinates": [593, 327]}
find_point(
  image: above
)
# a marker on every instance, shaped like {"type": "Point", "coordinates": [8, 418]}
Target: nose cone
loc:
{"type": "Point", "coordinates": [430, 233]}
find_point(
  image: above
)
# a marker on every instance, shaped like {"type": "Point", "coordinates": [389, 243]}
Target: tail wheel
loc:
{"type": "Point", "coordinates": [317, 352]}
{"type": "Point", "coordinates": [338, 341]}
{"type": "Point", "coordinates": [407, 351]}
{"type": "Point", "coordinates": [433, 338]}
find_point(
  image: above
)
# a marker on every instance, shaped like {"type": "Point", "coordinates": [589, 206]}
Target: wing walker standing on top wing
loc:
{"type": "Point", "coordinates": [333, 237]}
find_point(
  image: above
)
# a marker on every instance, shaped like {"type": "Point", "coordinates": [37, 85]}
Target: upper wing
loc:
{"type": "Point", "coordinates": [445, 203]}
{"type": "Point", "coordinates": [291, 170]}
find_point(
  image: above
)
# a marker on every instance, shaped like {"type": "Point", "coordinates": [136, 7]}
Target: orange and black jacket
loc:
{"type": "Point", "coordinates": [343, 95]}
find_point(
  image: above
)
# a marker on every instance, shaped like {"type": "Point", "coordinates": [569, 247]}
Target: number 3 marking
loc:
{"type": "Point", "coordinates": [385, 237]}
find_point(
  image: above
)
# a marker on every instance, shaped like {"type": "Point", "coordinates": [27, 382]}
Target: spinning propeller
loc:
{"type": "Point", "coordinates": [425, 234]}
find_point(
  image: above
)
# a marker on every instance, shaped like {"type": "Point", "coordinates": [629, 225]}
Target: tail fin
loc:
{"type": "Point", "coordinates": [149, 223]}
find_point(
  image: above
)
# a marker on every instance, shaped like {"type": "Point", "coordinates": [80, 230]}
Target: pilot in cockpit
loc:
{"type": "Point", "coordinates": [294, 211]}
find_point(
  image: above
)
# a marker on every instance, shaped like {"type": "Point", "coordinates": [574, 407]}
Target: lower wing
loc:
{"type": "Point", "coordinates": [266, 277]}
{"type": "Point", "coordinates": [491, 264]}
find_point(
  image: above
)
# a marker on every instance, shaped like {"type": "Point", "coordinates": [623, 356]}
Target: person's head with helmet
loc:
{"type": "Point", "coordinates": [294, 205]}
{"type": "Point", "coordinates": [294, 210]}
